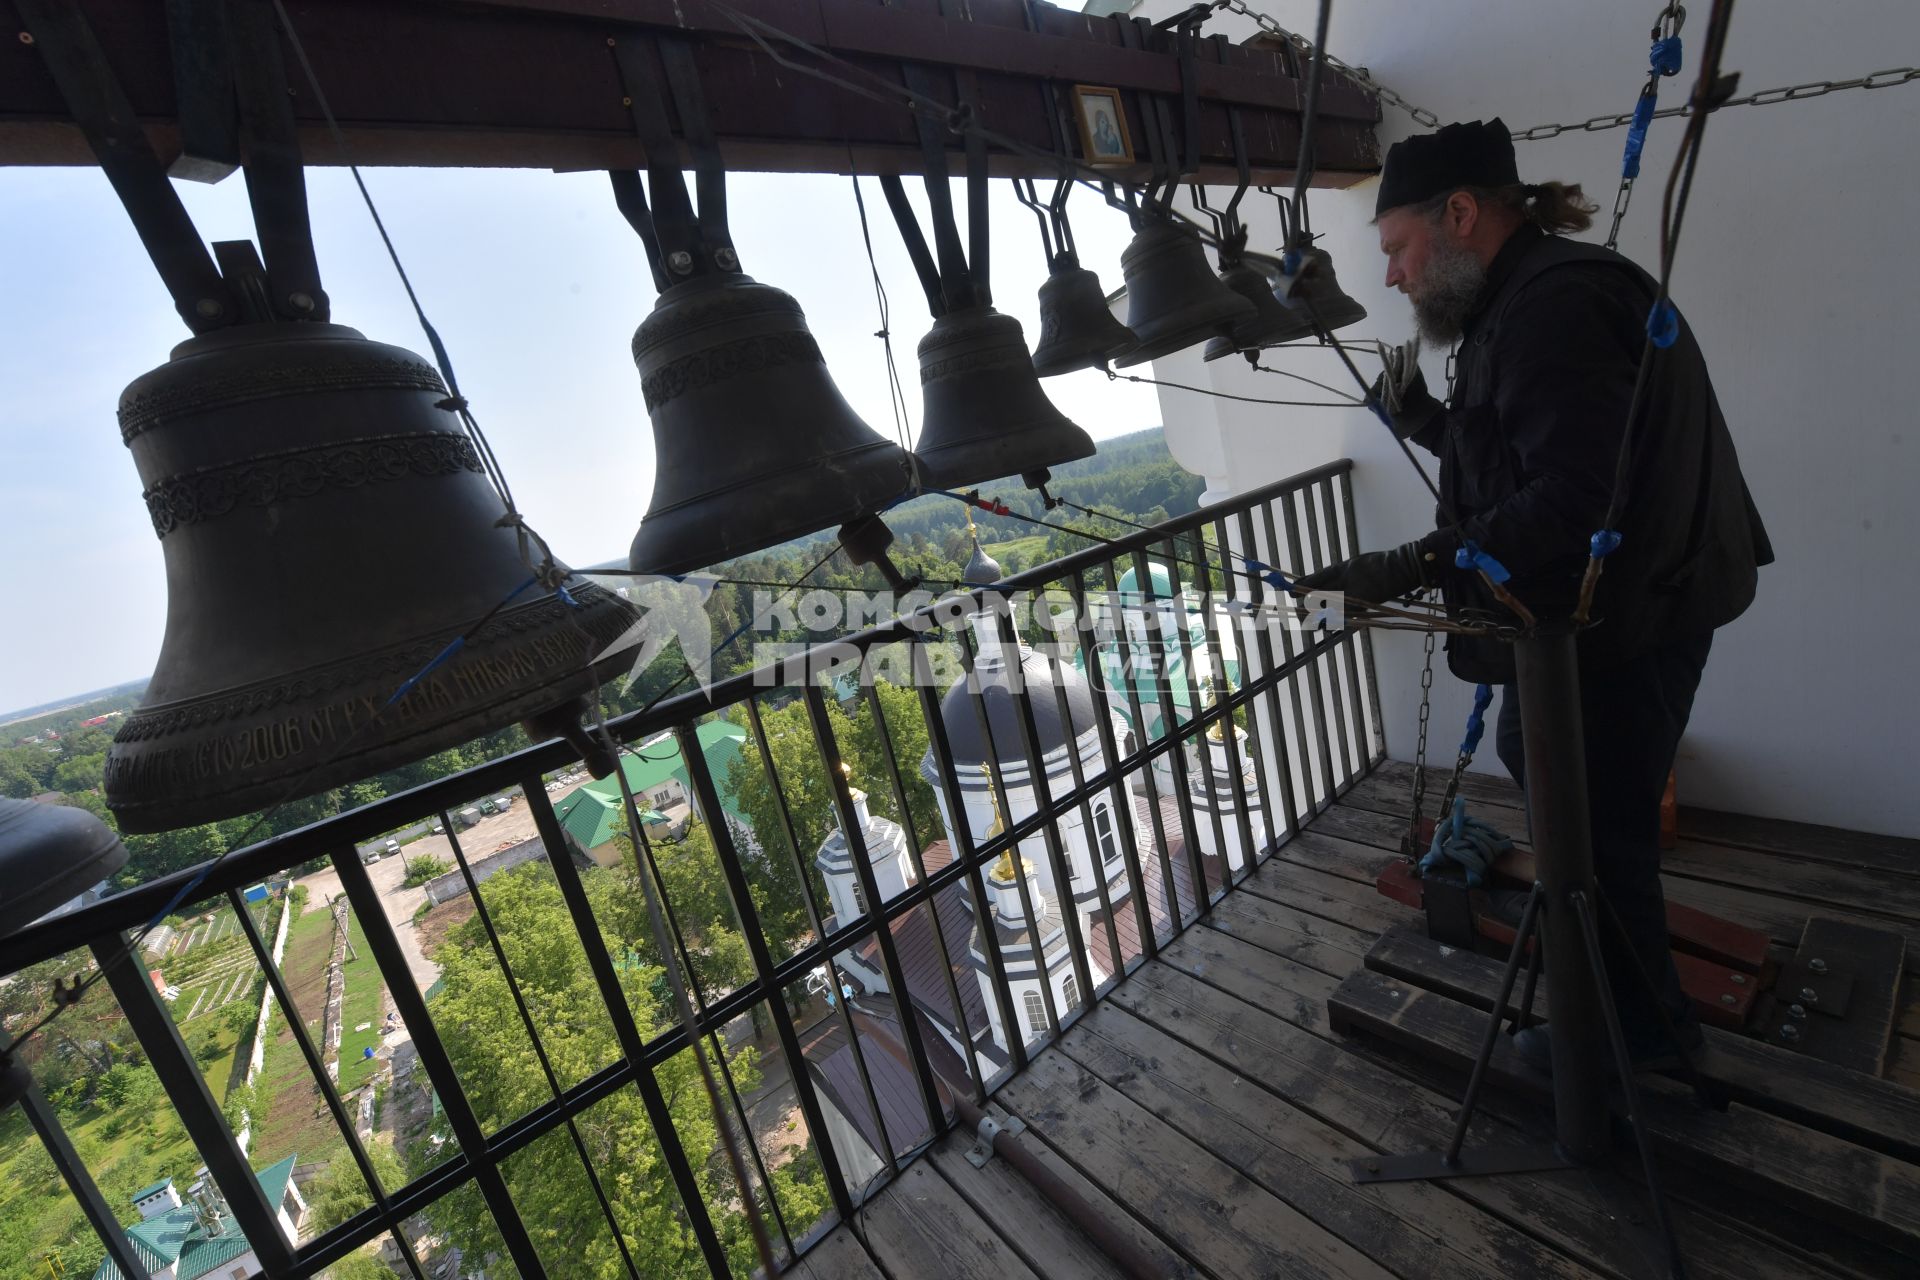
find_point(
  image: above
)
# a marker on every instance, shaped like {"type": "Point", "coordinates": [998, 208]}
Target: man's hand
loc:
{"type": "Point", "coordinates": [1402, 389]}
{"type": "Point", "coordinates": [1374, 576]}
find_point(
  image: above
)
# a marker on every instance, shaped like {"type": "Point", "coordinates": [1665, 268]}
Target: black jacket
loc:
{"type": "Point", "coordinates": [1527, 448]}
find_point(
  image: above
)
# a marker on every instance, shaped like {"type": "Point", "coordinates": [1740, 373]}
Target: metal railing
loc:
{"type": "Point", "coordinates": [1308, 717]}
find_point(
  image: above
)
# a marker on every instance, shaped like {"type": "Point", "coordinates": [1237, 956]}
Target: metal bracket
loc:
{"type": "Point", "coordinates": [1818, 990]}
{"type": "Point", "coordinates": [982, 1149]}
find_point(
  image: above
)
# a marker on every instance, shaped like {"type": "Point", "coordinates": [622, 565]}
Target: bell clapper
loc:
{"type": "Point", "coordinates": [866, 541]}
{"type": "Point", "coordinates": [1037, 481]}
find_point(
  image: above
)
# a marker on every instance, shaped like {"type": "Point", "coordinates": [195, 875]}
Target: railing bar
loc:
{"type": "Point", "coordinates": [1172, 731]}
{"type": "Point", "coordinates": [1319, 501]}
{"type": "Point", "coordinates": [1244, 589]}
{"type": "Point", "coordinates": [1119, 793]}
{"type": "Point", "coordinates": [73, 1171]}
{"type": "Point", "coordinates": [1376, 748]}
{"type": "Point", "coordinates": [385, 946]}
{"type": "Point", "coordinates": [1312, 674]}
{"type": "Point", "coordinates": [1350, 651]}
{"type": "Point", "coordinates": [997, 780]}
{"type": "Point", "coordinates": [1236, 766]}
{"type": "Point", "coordinates": [1162, 853]}
{"type": "Point", "coordinates": [284, 998]}
{"type": "Point", "coordinates": [836, 1000]}
{"type": "Point", "coordinates": [932, 907]}
{"type": "Point", "coordinates": [1276, 718]}
{"type": "Point", "coordinates": [1043, 803]}
{"type": "Point", "coordinates": [966, 865]}
{"type": "Point", "coordinates": [753, 1140]}
{"type": "Point", "coordinates": [1096, 858]}
{"type": "Point", "coordinates": [187, 1090]}
{"type": "Point", "coordinates": [1196, 709]}
{"type": "Point", "coordinates": [639, 1061]}
{"type": "Point", "coordinates": [1289, 554]}
{"type": "Point", "coordinates": [533, 1033]}
{"type": "Point", "coordinates": [883, 931]}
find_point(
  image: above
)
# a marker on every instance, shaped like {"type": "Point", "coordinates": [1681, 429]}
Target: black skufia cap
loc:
{"type": "Point", "coordinates": [1476, 154]}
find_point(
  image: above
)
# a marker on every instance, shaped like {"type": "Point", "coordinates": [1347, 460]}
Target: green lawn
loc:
{"type": "Point", "coordinates": [361, 1003]}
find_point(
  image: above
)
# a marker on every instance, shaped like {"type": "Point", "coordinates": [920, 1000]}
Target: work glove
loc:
{"type": "Point", "coordinates": [1374, 576]}
{"type": "Point", "coordinates": [1401, 389]}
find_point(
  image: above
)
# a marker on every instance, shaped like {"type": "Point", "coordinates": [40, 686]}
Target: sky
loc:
{"type": "Point", "coordinates": [535, 283]}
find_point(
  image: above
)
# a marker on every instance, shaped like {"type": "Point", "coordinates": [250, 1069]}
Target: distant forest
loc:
{"type": "Point", "coordinates": [1132, 477]}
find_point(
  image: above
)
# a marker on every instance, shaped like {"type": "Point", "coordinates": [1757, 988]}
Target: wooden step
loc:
{"type": "Point", "coordinates": [1846, 978]}
{"type": "Point", "coordinates": [1847, 1186]}
{"type": "Point", "coordinates": [1849, 1104]}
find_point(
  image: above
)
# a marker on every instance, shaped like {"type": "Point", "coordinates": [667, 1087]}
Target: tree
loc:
{"type": "Point", "coordinates": [488, 1045]}
{"type": "Point", "coordinates": [359, 1266]}
{"type": "Point", "coordinates": [341, 1192]}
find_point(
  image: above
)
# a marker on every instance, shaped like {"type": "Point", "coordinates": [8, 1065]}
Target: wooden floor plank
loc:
{"type": "Point", "coordinates": [1212, 1213]}
{"type": "Point", "coordinates": [1033, 1228]}
{"type": "Point", "coordinates": [1831, 844]}
{"type": "Point", "coordinates": [1380, 1107]}
{"type": "Point", "coordinates": [838, 1256]}
{"type": "Point", "coordinates": [920, 1227]}
{"type": "Point", "coordinates": [1412, 1228]}
{"type": "Point", "coordinates": [1245, 970]}
{"type": "Point", "coordinates": [1861, 1108]}
{"type": "Point", "coordinates": [1324, 944]}
{"type": "Point", "coordinates": [1843, 1184]}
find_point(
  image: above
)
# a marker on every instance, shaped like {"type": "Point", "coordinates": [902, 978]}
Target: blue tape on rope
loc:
{"type": "Point", "coordinates": [1603, 543]}
{"type": "Point", "coordinates": [1663, 324]}
{"type": "Point", "coordinates": [1637, 134]}
{"type": "Point", "coordinates": [439, 660]}
{"type": "Point", "coordinates": [1290, 263]}
{"type": "Point", "coordinates": [1470, 556]}
{"type": "Point", "coordinates": [1477, 719]}
{"type": "Point", "coordinates": [1665, 56]}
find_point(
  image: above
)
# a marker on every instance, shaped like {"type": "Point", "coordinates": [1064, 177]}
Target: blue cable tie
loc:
{"type": "Point", "coordinates": [1637, 133]}
{"type": "Point", "coordinates": [1470, 556]}
{"type": "Point", "coordinates": [1665, 56]}
{"type": "Point", "coordinates": [1663, 324]}
{"type": "Point", "coordinates": [1603, 543]}
{"type": "Point", "coordinates": [1477, 719]}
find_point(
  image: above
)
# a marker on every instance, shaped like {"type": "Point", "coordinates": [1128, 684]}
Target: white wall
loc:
{"type": "Point", "coordinates": [1797, 271]}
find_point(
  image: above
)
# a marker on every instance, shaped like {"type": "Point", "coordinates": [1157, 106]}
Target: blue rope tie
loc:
{"type": "Point", "coordinates": [1467, 843]}
{"type": "Point", "coordinates": [1470, 556]}
{"type": "Point", "coordinates": [1476, 719]}
{"type": "Point", "coordinates": [1268, 574]}
{"type": "Point", "coordinates": [1663, 324]}
{"type": "Point", "coordinates": [1665, 56]}
{"type": "Point", "coordinates": [1637, 132]}
{"type": "Point", "coordinates": [1603, 543]}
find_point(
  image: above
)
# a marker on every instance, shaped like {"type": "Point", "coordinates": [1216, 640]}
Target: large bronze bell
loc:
{"type": "Point", "coordinates": [1077, 330]}
{"type": "Point", "coordinates": [1271, 324]}
{"type": "Point", "coordinates": [328, 530]}
{"type": "Point", "coordinates": [984, 414]}
{"type": "Point", "coordinates": [1314, 291]}
{"type": "Point", "coordinates": [753, 443]}
{"type": "Point", "coordinates": [1173, 298]}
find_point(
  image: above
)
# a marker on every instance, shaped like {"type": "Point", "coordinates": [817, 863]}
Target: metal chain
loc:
{"type": "Point", "coordinates": [1765, 97]}
{"type": "Point", "coordinates": [1266, 23]}
{"type": "Point", "coordinates": [1410, 846]}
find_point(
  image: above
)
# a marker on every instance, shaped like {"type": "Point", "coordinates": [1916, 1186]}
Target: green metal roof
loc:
{"type": "Point", "coordinates": [161, 1185]}
{"type": "Point", "coordinates": [177, 1238]}
{"type": "Point", "coordinates": [592, 814]}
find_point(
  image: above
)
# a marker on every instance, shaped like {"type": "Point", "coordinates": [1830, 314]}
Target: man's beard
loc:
{"type": "Point", "coordinates": [1448, 290]}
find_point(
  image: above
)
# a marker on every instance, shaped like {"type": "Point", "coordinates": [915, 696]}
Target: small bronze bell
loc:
{"type": "Point", "coordinates": [1313, 291]}
{"type": "Point", "coordinates": [984, 415]}
{"type": "Point", "coordinates": [328, 530]}
{"type": "Point", "coordinates": [753, 443]}
{"type": "Point", "coordinates": [1173, 298]}
{"type": "Point", "coordinates": [1272, 323]}
{"type": "Point", "coordinates": [1077, 330]}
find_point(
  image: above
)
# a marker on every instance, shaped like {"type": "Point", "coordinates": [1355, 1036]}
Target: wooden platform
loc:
{"type": "Point", "coordinates": [1208, 1107]}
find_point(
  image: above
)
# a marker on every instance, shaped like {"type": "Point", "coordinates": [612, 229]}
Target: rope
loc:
{"type": "Point", "coordinates": [1467, 843]}
{"type": "Point", "coordinates": [1223, 395]}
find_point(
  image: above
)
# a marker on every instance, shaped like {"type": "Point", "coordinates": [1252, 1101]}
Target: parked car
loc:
{"type": "Point", "coordinates": [370, 857]}
{"type": "Point", "coordinates": [439, 827]}
{"type": "Point", "coordinates": [506, 802]}
{"type": "Point", "coordinates": [391, 846]}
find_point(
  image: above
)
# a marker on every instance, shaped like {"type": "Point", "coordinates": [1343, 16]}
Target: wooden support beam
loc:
{"type": "Point", "coordinates": [532, 84]}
